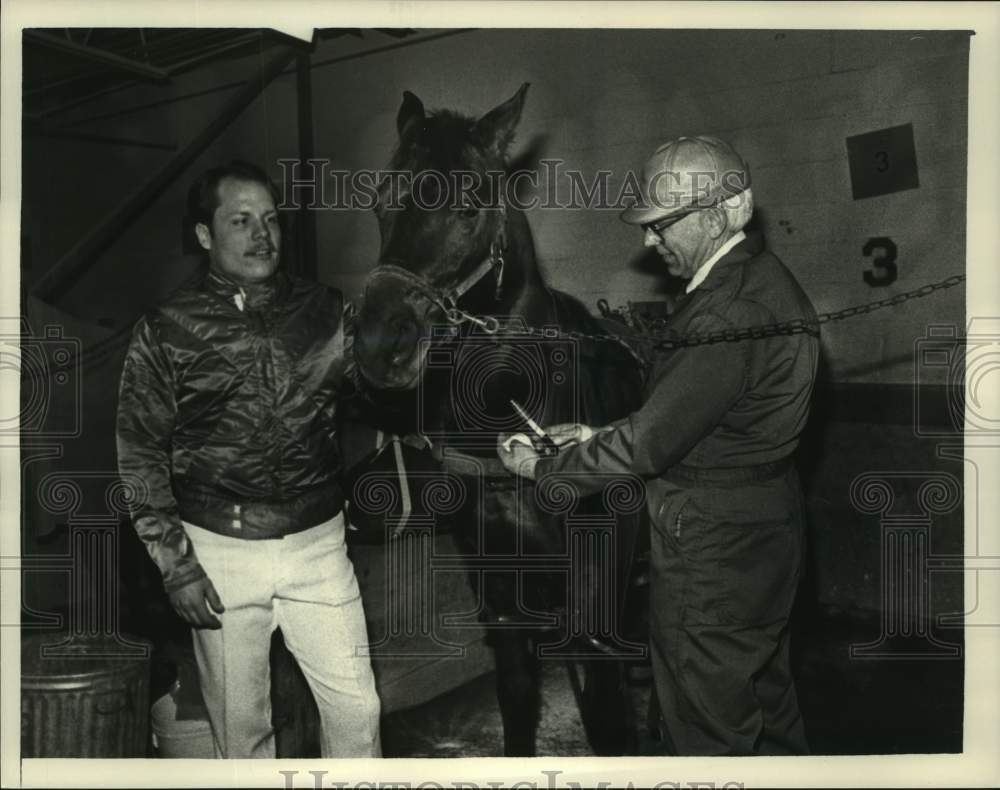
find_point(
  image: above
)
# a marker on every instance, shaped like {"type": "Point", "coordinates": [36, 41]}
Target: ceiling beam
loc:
{"type": "Point", "coordinates": [218, 49]}
{"type": "Point", "coordinates": [407, 42]}
{"type": "Point", "coordinates": [122, 83]}
{"type": "Point", "coordinates": [67, 271]}
{"type": "Point", "coordinates": [99, 55]}
{"type": "Point", "coordinates": [32, 127]}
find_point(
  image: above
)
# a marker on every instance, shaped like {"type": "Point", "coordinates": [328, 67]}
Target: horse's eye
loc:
{"type": "Point", "coordinates": [469, 211]}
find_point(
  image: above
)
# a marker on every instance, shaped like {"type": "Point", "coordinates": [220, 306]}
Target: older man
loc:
{"type": "Point", "coordinates": [226, 414]}
{"type": "Point", "coordinates": [714, 441]}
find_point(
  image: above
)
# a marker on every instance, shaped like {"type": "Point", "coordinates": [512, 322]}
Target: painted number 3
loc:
{"type": "Point", "coordinates": [883, 271]}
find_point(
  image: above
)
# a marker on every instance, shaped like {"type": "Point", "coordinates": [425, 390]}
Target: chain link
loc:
{"type": "Point", "coordinates": [659, 332]}
{"type": "Point", "coordinates": [489, 324]}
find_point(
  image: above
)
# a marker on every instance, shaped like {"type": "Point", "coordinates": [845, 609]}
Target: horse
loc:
{"type": "Point", "coordinates": [456, 322]}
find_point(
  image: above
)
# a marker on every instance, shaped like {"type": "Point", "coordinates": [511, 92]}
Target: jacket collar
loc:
{"type": "Point", "coordinates": [255, 295]}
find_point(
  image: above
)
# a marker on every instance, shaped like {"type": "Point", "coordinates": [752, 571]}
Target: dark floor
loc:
{"type": "Point", "coordinates": [850, 705]}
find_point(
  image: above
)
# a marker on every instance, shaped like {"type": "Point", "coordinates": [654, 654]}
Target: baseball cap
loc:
{"type": "Point", "coordinates": [686, 174]}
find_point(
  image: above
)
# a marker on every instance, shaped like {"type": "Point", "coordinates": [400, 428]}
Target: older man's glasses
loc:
{"type": "Point", "coordinates": [657, 228]}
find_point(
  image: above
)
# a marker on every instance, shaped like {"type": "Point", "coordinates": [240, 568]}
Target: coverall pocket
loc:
{"type": "Point", "coordinates": [668, 564]}
{"type": "Point", "coordinates": [668, 519]}
{"type": "Point", "coordinates": [744, 550]}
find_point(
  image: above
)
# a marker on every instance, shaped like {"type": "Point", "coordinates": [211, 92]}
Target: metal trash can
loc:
{"type": "Point", "coordinates": [83, 706]}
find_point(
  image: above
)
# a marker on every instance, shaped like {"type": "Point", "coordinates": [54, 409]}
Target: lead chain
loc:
{"type": "Point", "coordinates": [662, 341]}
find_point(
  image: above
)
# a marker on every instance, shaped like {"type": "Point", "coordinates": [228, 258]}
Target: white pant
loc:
{"type": "Point", "coordinates": [304, 584]}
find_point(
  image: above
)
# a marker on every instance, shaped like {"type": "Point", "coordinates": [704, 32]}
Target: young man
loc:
{"type": "Point", "coordinates": [226, 416]}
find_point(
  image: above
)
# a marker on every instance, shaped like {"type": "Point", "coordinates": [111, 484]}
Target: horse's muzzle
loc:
{"type": "Point", "coordinates": [393, 321]}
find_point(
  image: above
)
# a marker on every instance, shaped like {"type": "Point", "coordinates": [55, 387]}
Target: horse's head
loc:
{"type": "Point", "coordinates": [443, 222]}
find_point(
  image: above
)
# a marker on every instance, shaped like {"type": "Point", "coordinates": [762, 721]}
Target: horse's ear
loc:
{"type": "Point", "coordinates": [496, 128]}
{"type": "Point", "coordinates": [411, 111]}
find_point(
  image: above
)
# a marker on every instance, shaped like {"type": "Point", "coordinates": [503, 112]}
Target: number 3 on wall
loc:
{"type": "Point", "coordinates": [883, 271]}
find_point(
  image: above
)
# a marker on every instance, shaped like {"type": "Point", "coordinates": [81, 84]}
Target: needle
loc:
{"type": "Point", "coordinates": [548, 445]}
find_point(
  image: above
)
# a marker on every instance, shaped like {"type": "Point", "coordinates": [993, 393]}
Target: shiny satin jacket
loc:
{"type": "Point", "coordinates": [226, 416]}
{"type": "Point", "coordinates": [719, 405]}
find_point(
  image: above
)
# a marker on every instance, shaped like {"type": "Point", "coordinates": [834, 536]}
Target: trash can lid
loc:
{"type": "Point", "coordinates": [49, 656]}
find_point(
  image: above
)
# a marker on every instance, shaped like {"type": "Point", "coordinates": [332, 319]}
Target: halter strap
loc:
{"type": "Point", "coordinates": [447, 300]}
{"type": "Point", "coordinates": [489, 264]}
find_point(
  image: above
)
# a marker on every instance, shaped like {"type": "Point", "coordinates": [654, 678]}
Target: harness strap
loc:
{"type": "Point", "coordinates": [464, 465]}
{"type": "Point", "coordinates": [477, 274]}
{"type": "Point", "coordinates": [404, 488]}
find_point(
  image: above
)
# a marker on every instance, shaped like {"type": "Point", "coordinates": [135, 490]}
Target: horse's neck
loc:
{"type": "Point", "coordinates": [525, 297]}
{"type": "Point", "coordinates": [524, 292]}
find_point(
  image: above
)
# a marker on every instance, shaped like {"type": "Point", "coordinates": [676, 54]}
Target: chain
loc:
{"type": "Point", "coordinates": [657, 331]}
{"type": "Point", "coordinates": [489, 324]}
{"type": "Point", "coordinates": [660, 334]}
{"type": "Point", "coordinates": [801, 325]}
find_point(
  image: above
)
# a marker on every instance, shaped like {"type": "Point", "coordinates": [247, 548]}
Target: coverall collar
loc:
{"type": "Point", "coordinates": [743, 251]}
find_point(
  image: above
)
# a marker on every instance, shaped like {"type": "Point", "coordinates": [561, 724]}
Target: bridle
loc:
{"type": "Point", "coordinates": [447, 299]}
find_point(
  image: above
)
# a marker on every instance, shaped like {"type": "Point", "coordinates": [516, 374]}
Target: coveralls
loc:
{"type": "Point", "coordinates": [714, 441]}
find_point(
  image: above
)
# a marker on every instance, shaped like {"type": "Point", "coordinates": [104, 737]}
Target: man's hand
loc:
{"type": "Point", "coordinates": [570, 433]}
{"type": "Point", "coordinates": [520, 458]}
{"type": "Point", "coordinates": [196, 602]}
